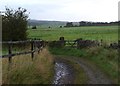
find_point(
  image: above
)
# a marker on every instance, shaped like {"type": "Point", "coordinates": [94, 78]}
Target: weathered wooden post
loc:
{"type": "Point", "coordinates": [62, 41]}
{"type": "Point", "coordinates": [39, 46]}
{"type": "Point", "coordinates": [101, 42]}
{"type": "Point", "coordinates": [10, 52]}
{"type": "Point", "coordinates": [79, 43]}
{"type": "Point", "coordinates": [32, 49]}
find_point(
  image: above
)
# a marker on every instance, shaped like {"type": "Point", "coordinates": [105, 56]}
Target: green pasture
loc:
{"type": "Point", "coordinates": [107, 33]}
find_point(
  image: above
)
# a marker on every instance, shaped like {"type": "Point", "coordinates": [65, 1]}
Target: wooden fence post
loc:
{"type": "Point", "coordinates": [101, 42]}
{"type": "Point", "coordinates": [10, 52]}
{"type": "Point", "coordinates": [62, 41]}
{"type": "Point", "coordinates": [32, 48]}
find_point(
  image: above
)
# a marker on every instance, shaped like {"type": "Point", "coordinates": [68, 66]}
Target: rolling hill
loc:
{"type": "Point", "coordinates": [45, 23]}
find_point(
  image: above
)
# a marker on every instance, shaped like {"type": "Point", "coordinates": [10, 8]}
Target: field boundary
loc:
{"type": "Point", "coordinates": [39, 44]}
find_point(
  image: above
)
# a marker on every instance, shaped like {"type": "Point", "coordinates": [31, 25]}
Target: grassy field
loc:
{"type": "Point", "coordinates": [25, 71]}
{"type": "Point", "coordinates": [40, 71]}
{"type": "Point", "coordinates": [107, 33]}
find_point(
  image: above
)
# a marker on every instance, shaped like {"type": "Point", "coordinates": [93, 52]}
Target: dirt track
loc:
{"type": "Point", "coordinates": [64, 73]}
{"type": "Point", "coordinates": [95, 75]}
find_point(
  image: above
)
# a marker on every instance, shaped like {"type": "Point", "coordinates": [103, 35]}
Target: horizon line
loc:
{"type": "Point", "coordinates": [71, 21]}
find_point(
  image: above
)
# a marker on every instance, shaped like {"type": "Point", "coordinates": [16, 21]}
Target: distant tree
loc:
{"type": "Point", "coordinates": [34, 27]}
{"type": "Point", "coordinates": [75, 25]}
{"type": "Point", "coordinates": [49, 27]}
{"type": "Point", "coordinates": [82, 23]}
{"type": "Point", "coordinates": [14, 24]}
{"type": "Point", "coordinates": [60, 26]}
{"type": "Point", "coordinates": [69, 24]}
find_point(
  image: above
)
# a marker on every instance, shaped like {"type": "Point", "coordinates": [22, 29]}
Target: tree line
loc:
{"type": "Point", "coordinates": [15, 22]}
{"type": "Point", "coordinates": [86, 23]}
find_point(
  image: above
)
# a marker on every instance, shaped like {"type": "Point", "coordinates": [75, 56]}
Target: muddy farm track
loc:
{"type": "Point", "coordinates": [64, 74]}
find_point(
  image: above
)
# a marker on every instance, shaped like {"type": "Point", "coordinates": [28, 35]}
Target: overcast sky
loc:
{"type": "Point", "coordinates": [67, 10]}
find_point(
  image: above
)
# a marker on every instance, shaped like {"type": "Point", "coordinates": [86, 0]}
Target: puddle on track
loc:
{"type": "Point", "coordinates": [62, 74]}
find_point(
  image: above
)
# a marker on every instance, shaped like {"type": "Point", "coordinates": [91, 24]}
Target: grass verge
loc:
{"type": "Point", "coordinates": [105, 59]}
{"type": "Point", "coordinates": [25, 71]}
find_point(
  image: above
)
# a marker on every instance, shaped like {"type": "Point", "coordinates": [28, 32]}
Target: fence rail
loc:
{"type": "Point", "coordinates": [15, 54]}
{"type": "Point", "coordinates": [34, 44]}
{"type": "Point", "coordinates": [16, 42]}
{"type": "Point", "coordinates": [39, 44]}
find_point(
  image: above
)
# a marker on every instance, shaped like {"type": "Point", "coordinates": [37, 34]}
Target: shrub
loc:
{"type": "Point", "coordinates": [14, 24]}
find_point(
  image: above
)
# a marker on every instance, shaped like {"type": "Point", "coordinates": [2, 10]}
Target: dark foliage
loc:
{"type": "Point", "coordinates": [69, 24]}
{"type": "Point", "coordinates": [60, 26]}
{"type": "Point", "coordinates": [114, 45]}
{"type": "Point", "coordinates": [86, 43]}
{"type": "Point", "coordinates": [86, 23]}
{"type": "Point", "coordinates": [14, 25]}
{"type": "Point", "coordinates": [34, 27]}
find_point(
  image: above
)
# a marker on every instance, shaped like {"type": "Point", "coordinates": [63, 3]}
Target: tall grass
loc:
{"type": "Point", "coordinates": [25, 71]}
{"type": "Point", "coordinates": [106, 59]}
